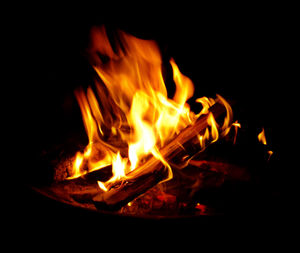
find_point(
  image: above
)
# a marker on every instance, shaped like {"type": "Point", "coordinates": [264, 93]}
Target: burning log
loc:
{"type": "Point", "coordinates": [153, 171]}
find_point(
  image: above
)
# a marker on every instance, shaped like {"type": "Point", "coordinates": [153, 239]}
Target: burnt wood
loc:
{"type": "Point", "coordinates": [153, 171]}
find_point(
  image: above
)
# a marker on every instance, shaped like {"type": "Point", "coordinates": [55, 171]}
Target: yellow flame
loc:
{"type": "Point", "coordinates": [102, 186]}
{"type": "Point", "coordinates": [236, 125]}
{"type": "Point", "coordinates": [270, 152]}
{"type": "Point", "coordinates": [118, 167]}
{"type": "Point", "coordinates": [130, 117]}
{"type": "Point", "coordinates": [226, 125]}
{"type": "Point", "coordinates": [76, 172]}
{"type": "Point", "coordinates": [214, 127]}
{"type": "Point", "coordinates": [262, 137]}
{"type": "Point", "coordinates": [206, 103]}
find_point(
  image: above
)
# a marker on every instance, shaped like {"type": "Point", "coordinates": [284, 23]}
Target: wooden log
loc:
{"type": "Point", "coordinates": [153, 171]}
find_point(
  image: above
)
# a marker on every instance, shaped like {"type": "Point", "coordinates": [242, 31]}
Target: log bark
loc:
{"type": "Point", "coordinates": [153, 171]}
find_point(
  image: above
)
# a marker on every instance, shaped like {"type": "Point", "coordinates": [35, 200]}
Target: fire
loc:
{"type": "Point", "coordinates": [128, 116]}
{"type": "Point", "coordinates": [236, 125]}
{"type": "Point", "coordinates": [262, 138]}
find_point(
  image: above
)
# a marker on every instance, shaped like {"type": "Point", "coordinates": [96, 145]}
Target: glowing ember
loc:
{"type": "Point", "coordinates": [129, 117]}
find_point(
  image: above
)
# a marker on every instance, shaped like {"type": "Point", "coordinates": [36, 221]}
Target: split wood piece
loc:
{"type": "Point", "coordinates": [153, 171]}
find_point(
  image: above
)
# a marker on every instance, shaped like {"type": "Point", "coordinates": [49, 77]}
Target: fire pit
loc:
{"type": "Point", "coordinates": [147, 153]}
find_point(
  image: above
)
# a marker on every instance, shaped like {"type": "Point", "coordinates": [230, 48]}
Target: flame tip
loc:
{"type": "Point", "coordinates": [132, 95]}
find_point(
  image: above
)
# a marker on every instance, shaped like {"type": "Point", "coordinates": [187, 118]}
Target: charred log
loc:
{"type": "Point", "coordinates": [153, 171]}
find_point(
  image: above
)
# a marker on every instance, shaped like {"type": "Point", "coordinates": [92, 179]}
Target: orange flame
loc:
{"type": "Point", "coordinates": [130, 117]}
{"type": "Point", "coordinates": [236, 125]}
{"type": "Point", "coordinates": [262, 138]}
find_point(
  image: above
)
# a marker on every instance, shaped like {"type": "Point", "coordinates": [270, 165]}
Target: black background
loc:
{"type": "Point", "coordinates": [244, 53]}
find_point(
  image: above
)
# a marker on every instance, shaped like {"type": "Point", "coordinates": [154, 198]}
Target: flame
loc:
{"type": "Point", "coordinates": [270, 153]}
{"type": "Point", "coordinates": [214, 127]}
{"type": "Point", "coordinates": [128, 116]}
{"type": "Point", "coordinates": [262, 137]}
{"type": "Point", "coordinates": [212, 135]}
{"type": "Point", "coordinates": [102, 186]}
{"type": "Point", "coordinates": [77, 165]}
{"type": "Point", "coordinates": [236, 125]}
